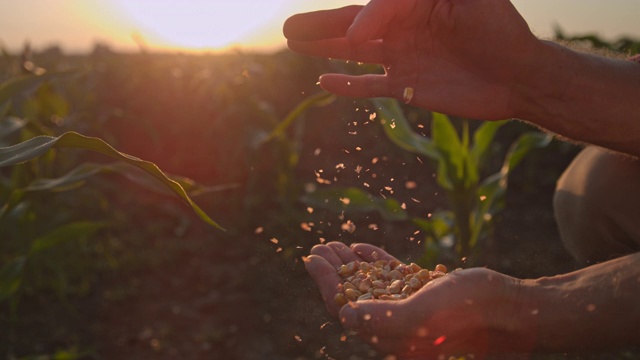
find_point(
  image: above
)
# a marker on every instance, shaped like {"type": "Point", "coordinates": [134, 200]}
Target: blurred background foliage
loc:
{"type": "Point", "coordinates": [279, 164]}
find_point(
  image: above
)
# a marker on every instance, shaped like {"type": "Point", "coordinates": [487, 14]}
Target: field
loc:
{"type": "Point", "coordinates": [130, 272]}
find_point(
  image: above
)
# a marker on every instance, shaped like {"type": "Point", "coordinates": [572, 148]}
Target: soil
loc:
{"type": "Point", "coordinates": [208, 295]}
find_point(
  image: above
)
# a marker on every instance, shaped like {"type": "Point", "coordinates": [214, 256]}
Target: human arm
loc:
{"type": "Point", "coordinates": [475, 59]}
{"type": "Point", "coordinates": [484, 312]}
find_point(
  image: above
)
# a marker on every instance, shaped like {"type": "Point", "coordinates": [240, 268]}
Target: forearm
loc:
{"type": "Point", "coordinates": [584, 97]}
{"type": "Point", "coordinates": [594, 308]}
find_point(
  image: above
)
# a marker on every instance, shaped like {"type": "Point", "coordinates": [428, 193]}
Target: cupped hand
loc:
{"type": "Point", "coordinates": [476, 311]}
{"type": "Point", "coordinates": [466, 57]}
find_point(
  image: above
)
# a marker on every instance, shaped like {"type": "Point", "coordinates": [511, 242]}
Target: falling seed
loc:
{"type": "Point", "coordinates": [345, 201]}
{"type": "Point", "coordinates": [367, 317]}
{"type": "Point", "coordinates": [258, 230]}
{"type": "Point", "coordinates": [372, 116]}
{"type": "Point", "coordinates": [274, 240]}
{"type": "Point", "coordinates": [411, 185]}
{"type": "Point", "coordinates": [483, 198]}
{"type": "Point", "coordinates": [305, 226]}
{"type": "Point", "coordinates": [317, 151]}
{"type": "Point", "coordinates": [348, 226]}
{"type": "Point", "coordinates": [298, 338]}
{"type": "Point", "coordinates": [422, 332]}
{"type": "Point", "coordinates": [279, 250]}
{"type": "Point", "coordinates": [389, 313]}
{"type": "Point", "coordinates": [310, 210]}
{"type": "Point", "coordinates": [407, 95]}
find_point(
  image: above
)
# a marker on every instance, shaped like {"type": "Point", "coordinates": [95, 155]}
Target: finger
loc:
{"type": "Point", "coordinates": [328, 254]}
{"type": "Point", "coordinates": [371, 253]}
{"type": "Point", "coordinates": [378, 16]}
{"type": "Point", "coordinates": [343, 251]}
{"type": "Point", "coordinates": [372, 21]}
{"type": "Point", "coordinates": [326, 278]}
{"type": "Point", "coordinates": [322, 24]}
{"type": "Point", "coordinates": [340, 48]}
{"type": "Point", "coordinates": [368, 86]}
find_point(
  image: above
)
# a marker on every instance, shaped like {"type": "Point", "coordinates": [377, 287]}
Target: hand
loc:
{"type": "Point", "coordinates": [467, 57]}
{"type": "Point", "coordinates": [467, 311]}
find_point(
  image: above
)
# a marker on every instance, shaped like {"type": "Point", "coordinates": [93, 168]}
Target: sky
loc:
{"type": "Point", "coordinates": [209, 25]}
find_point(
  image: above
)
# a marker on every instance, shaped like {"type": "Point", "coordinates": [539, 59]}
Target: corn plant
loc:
{"type": "Point", "coordinates": [472, 201]}
{"type": "Point", "coordinates": [33, 226]}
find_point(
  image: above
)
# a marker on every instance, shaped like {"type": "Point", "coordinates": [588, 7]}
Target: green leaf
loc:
{"type": "Point", "coordinates": [399, 131]}
{"type": "Point", "coordinates": [9, 125]}
{"type": "Point", "coordinates": [11, 277]}
{"type": "Point", "coordinates": [451, 165]}
{"type": "Point", "coordinates": [64, 233]}
{"type": "Point", "coordinates": [78, 175]}
{"type": "Point", "coordinates": [37, 146]}
{"type": "Point", "coordinates": [482, 139]}
{"type": "Point", "coordinates": [439, 225]}
{"type": "Point", "coordinates": [522, 146]}
{"type": "Point", "coordinates": [492, 190]}
{"type": "Point", "coordinates": [320, 99]}
{"type": "Point", "coordinates": [355, 200]}
{"type": "Point", "coordinates": [23, 84]}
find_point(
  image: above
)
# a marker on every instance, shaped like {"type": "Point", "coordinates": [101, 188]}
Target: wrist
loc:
{"type": "Point", "coordinates": [540, 90]}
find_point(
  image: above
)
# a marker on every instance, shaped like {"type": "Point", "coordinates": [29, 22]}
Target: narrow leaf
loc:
{"type": "Point", "coordinates": [399, 131]}
{"type": "Point", "coordinates": [11, 277]}
{"type": "Point", "coordinates": [67, 232]}
{"type": "Point", "coordinates": [355, 200]}
{"type": "Point", "coordinates": [23, 84]}
{"type": "Point", "coordinates": [320, 99]}
{"type": "Point", "coordinates": [447, 141]}
{"type": "Point", "coordinates": [37, 146]}
{"type": "Point", "coordinates": [482, 139]}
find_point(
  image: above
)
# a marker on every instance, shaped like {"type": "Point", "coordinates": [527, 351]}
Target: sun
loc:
{"type": "Point", "coordinates": [198, 24]}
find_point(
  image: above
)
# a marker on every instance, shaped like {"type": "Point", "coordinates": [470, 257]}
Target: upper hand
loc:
{"type": "Point", "coordinates": [465, 57]}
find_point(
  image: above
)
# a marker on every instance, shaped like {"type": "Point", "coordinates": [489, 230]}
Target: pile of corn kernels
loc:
{"type": "Point", "coordinates": [381, 279]}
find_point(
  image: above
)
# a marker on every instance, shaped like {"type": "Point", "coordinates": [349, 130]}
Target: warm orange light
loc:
{"type": "Point", "coordinates": [200, 24]}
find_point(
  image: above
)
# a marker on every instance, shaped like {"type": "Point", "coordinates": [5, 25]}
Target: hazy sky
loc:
{"type": "Point", "coordinates": [197, 24]}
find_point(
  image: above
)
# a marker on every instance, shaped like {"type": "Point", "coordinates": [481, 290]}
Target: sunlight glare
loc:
{"type": "Point", "coordinates": [198, 24]}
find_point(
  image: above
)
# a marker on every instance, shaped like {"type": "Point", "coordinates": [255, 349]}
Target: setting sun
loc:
{"type": "Point", "coordinates": [198, 24]}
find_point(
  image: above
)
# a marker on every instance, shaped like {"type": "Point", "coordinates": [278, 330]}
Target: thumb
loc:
{"type": "Point", "coordinates": [374, 317]}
